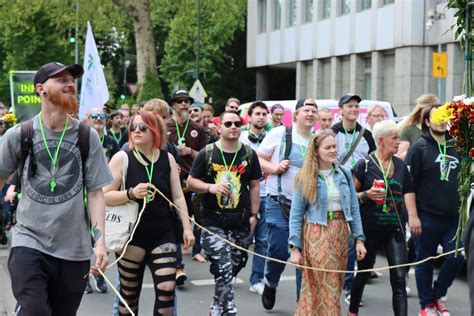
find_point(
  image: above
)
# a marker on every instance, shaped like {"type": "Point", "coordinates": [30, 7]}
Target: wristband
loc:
{"type": "Point", "coordinates": [130, 194]}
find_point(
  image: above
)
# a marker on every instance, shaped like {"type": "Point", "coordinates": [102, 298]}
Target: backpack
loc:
{"type": "Point", "coordinates": [210, 147]}
{"type": "Point", "coordinates": [27, 149]}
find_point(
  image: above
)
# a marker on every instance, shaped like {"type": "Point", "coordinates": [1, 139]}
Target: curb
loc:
{"type": "Point", "coordinates": [7, 301]}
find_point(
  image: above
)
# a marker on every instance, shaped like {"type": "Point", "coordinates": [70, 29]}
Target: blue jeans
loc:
{"type": "Point", "coordinates": [278, 233]}
{"type": "Point", "coordinates": [351, 259]}
{"type": "Point", "coordinates": [436, 231]}
{"type": "Point", "coordinates": [261, 245]}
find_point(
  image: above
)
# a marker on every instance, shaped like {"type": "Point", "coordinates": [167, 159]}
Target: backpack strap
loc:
{"type": "Point", "coordinates": [353, 147]}
{"type": "Point", "coordinates": [208, 158]}
{"type": "Point", "coordinates": [26, 143]}
{"type": "Point", "coordinates": [286, 155]}
{"type": "Point", "coordinates": [83, 144]}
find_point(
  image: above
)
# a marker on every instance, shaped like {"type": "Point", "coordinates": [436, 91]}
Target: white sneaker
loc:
{"type": "Point", "coordinates": [215, 310]}
{"type": "Point", "coordinates": [257, 288]}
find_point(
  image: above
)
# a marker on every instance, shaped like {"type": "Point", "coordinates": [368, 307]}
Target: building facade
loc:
{"type": "Point", "coordinates": [379, 49]}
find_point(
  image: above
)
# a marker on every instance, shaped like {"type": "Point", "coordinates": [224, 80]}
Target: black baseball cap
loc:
{"type": "Point", "coordinates": [181, 94]}
{"type": "Point", "coordinates": [346, 98]}
{"type": "Point", "coordinates": [50, 69]}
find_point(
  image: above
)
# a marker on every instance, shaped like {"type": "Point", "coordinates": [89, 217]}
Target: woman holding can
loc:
{"type": "Point", "coordinates": [384, 185]}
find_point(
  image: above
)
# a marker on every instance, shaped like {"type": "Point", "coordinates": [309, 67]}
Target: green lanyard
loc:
{"type": "Point", "coordinates": [443, 161]}
{"type": "Point", "coordinates": [304, 151]}
{"type": "Point", "coordinates": [102, 140]}
{"type": "Point", "coordinates": [149, 172]}
{"type": "Point", "coordinates": [385, 179]}
{"type": "Point", "coordinates": [115, 137]}
{"type": "Point", "coordinates": [330, 187]}
{"type": "Point", "coordinates": [181, 136]}
{"type": "Point", "coordinates": [223, 158]}
{"type": "Point", "coordinates": [349, 145]}
{"type": "Point", "coordinates": [54, 160]}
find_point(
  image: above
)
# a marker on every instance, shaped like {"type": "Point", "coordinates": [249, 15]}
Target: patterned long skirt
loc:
{"type": "Point", "coordinates": [324, 247]}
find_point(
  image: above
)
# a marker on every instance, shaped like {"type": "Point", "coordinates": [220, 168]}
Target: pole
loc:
{"type": "Point", "coordinates": [198, 37]}
{"type": "Point", "coordinates": [440, 81]}
{"type": "Point", "coordinates": [467, 52]}
{"type": "Point", "coordinates": [76, 43]}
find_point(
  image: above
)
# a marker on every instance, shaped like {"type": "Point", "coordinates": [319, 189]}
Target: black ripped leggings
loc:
{"type": "Point", "coordinates": [154, 245]}
{"type": "Point", "coordinates": [395, 247]}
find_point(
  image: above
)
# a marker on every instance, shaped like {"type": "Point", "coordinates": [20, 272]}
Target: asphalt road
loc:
{"type": "Point", "coordinates": [195, 297]}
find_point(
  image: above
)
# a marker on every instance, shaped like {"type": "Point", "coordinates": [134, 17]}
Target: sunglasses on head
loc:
{"type": "Point", "coordinates": [95, 116]}
{"type": "Point", "coordinates": [194, 110]}
{"type": "Point", "coordinates": [143, 127]}
{"type": "Point", "coordinates": [229, 124]}
{"type": "Point", "coordinates": [179, 101]}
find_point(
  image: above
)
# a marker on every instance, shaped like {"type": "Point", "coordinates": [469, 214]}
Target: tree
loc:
{"type": "Point", "coordinates": [139, 12]}
{"type": "Point", "coordinates": [220, 20]}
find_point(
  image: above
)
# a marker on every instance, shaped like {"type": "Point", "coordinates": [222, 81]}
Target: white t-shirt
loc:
{"type": "Point", "coordinates": [273, 145]}
{"type": "Point", "coordinates": [334, 199]}
{"type": "Point", "coordinates": [244, 139]}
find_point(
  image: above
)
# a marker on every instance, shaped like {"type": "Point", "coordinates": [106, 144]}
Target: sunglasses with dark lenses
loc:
{"type": "Point", "coordinates": [179, 101]}
{"type": "Point", "coordinates": [95, 116]}
{"type": "Point", "coordinates": [194, 110]}
{"type": "Point", "coordinates": [141, 126]}
{"type": "Point", "coordinates": [229, 124]}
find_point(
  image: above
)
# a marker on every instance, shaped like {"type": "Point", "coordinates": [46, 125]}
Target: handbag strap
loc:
{"type": "Point", "coordinates": [124, 170]}
{"type": "Point", "coordinates": [353, 147]}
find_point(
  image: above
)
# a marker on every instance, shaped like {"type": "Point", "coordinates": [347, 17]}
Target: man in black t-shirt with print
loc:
{"type": "Point", "coordinates": [228, 174]}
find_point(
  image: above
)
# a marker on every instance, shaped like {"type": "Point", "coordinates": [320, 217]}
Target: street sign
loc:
{"type": "Point", "coordinates": [440, 65]}
{"type": "Point", "coordinates": [197, 92]}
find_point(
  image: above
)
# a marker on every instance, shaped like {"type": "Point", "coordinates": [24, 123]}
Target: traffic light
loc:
{"type": "Point", "coordinates": [70, 35]}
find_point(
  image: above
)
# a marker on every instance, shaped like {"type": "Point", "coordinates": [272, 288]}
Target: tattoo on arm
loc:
{"type": "Point", "coordinates": [96, 233]}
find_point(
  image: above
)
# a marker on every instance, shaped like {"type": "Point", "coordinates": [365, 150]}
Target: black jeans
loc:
{"type": "Point", "coordinates": [395, 249]}
{"type": "Point", "coordinates": [44, 285]}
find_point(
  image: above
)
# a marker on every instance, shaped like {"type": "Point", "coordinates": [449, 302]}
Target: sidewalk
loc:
{"type": "Point", "coordinates": [7, 301]}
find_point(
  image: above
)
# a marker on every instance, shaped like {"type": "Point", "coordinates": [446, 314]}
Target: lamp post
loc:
{"type": "Point", "coordinates": [198, 39]}
{"type": "Point", "coordinates": [434, 16]}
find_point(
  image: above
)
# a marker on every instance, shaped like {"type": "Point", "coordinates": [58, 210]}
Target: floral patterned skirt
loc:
{"type": "Point", "coordinates": [325, 247]}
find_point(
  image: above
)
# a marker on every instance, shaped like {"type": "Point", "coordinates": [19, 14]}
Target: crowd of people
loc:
{"type": "Point", "coordinates": [326, 197]}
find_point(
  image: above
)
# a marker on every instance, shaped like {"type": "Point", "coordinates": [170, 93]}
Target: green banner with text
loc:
{"type": "Point", "coordinates": [24, 101]}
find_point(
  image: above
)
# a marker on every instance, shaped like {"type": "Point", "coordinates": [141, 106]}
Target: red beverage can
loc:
{"type": "Point", "coordinates": [380, 185]}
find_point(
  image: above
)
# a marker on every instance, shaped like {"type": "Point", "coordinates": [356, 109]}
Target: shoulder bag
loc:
{"type": "Point", "coordinates": [120, 219]}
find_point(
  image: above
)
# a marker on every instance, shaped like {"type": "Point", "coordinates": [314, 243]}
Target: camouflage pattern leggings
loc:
{"type": "Point", "coordinates": [226, 262]}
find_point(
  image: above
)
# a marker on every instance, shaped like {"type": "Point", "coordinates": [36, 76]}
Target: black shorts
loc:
{"type": "Point", "coordinates": [46, 285]}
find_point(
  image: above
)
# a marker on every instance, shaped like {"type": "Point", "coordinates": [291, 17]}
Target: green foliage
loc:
{"type": "Point", "coordinates": [151, 88]}
{"type": "Point", "coordinates": [219, 22]}
{"type": "Point", "coordinates": [460, 7]}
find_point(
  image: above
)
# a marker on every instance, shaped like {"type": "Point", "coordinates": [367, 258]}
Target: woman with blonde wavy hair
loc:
{"type": "Point", "coordinates": [411, 127]}
{"type": "Point", "coordinates": [324, 202]}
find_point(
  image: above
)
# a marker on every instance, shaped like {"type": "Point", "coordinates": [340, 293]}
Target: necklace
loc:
{"type": "Point", "coordinates": [181, 136]}
{"type": "Point", "coordinates": [329, 185]}
{"type": "Point", "coordinates": [443, 161]}
{"type": "Point", "coordinates": [54, 159]}
{"type": "Point", "coordinates": [349, 144]}
{"type": "Point", "coordinates": [149, 172]}
{"type": "Point", "coordinates": [385, 179]}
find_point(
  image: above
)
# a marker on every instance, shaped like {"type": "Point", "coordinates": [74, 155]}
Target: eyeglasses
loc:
{"type": "Point", "coordinates": [194, 110]}
{"type": "Point", "coordinates": [180, 101]}
{"type": "Point", "coordinates": [229, 124]}
{"type": "Point", "coordinates": [381, 116]}
{"type": "Point", "coordinates": [143, 127]}
{"type": "Point", "coordinates": [95, 116]}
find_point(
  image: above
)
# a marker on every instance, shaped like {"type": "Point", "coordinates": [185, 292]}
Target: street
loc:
{"type": "Point", "coordinates": [195, 297]}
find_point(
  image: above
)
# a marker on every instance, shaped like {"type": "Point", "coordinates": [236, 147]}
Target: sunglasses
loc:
{"type": "Point", "coordinates": [179, 101]}
{"type": "Point", "coordinates": [143, 127]}
{"type": "Point", "coordinates": [194, 110]}
{"type": "Point", "coordinates": [229, 124]}
{"type": "Point", "coordinates": [96, 116]}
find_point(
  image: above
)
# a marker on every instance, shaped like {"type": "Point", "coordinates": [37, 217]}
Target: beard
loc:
{"type": "Point", "coordinates": [67, 102]}
{"type": "Point", "coordinates": [184, 114]}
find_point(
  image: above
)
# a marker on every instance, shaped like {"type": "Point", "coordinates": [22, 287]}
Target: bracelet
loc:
{"type": "Point", "coordinates": [362, 197]}
{"type": "Point", "coordinates": [130, 194]}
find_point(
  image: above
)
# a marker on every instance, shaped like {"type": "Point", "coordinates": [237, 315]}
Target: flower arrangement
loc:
{"type": "Point", "coordinates": [9, 120]}
{"type": "Point", "coordinates": [459, 115]}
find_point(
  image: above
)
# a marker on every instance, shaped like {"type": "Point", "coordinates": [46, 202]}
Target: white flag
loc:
{"type": "Point", "coordinates": [94, 91]}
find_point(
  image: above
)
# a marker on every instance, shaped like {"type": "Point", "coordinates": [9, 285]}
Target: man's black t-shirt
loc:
{"type": "Point", "coordinates": [238, 178]}
{"type": "Point", "coordinates": [373, 217]}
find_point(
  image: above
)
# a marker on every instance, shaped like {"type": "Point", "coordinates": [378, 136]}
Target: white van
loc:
{"type": "Point", "coordinates": [289, 106]}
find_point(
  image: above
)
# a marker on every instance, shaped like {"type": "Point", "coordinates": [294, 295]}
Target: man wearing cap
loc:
{"type": "Point", "coordinates": [51, 242]}
{"type": "Point", "coordinates": [353, 143]}
{"type": "Point", "coordinates": [118, 132]}
{"type": "Point", "coordinates": [190, 138]}
{"type": "Point", "coordinates": [195, 114]}
{"type": "Point", "coordinates": [277, 112]}
{"type": "Point", "coordinates": [282, 165]}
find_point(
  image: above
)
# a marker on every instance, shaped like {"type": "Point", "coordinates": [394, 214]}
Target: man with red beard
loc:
{"type": "Point", "coordinates": [51, 243]}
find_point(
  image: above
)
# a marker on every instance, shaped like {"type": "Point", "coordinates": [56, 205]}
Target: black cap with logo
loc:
{"type": "Point", "coordinates": [50, 69]}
